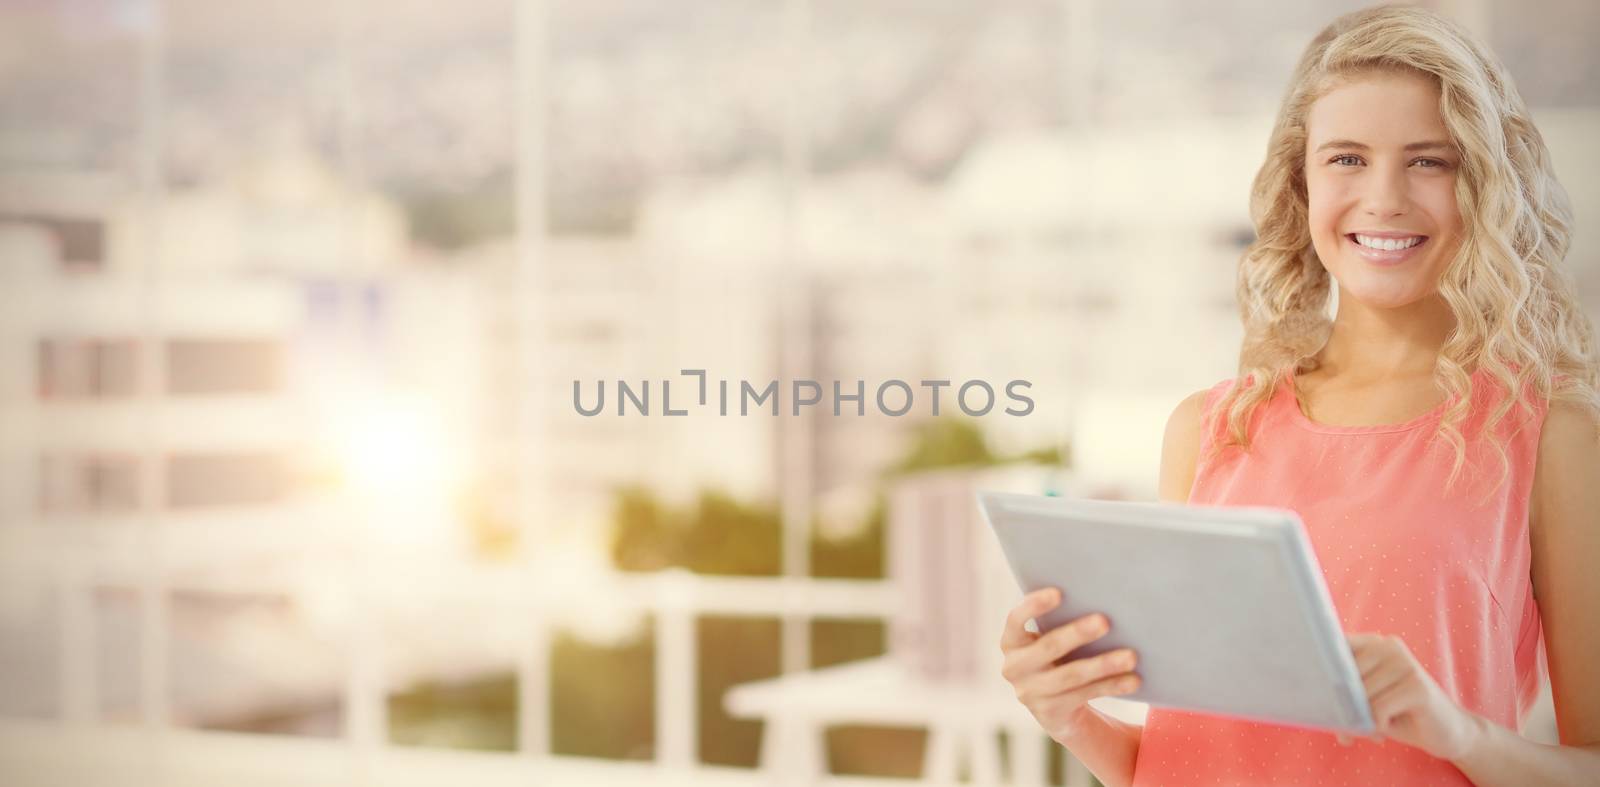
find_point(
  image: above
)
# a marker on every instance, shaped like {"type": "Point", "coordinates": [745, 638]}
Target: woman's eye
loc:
{"type": "Point", "coordinates": [1430, 163]}
{"type": "Point", "coordinates": [1346, 160]}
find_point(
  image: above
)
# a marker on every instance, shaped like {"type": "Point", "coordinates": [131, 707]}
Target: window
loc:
{"type": "Point", "coordinates": [82, 241]}
{"type": "Point", "coordinates": [200, 480]}
{"type": "Point", "coordinates": [224, 366]}
{"type": "Point", "coordinates": [88, 484]}
{"type": "Point", "coordinates": [87, 368]}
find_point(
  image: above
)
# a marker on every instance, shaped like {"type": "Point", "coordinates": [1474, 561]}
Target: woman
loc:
{"type": "Point", "coordinates": [1438, 436]}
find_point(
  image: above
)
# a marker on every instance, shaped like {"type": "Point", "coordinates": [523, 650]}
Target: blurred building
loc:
{"type": "Point", "coordinates": [189, 444]}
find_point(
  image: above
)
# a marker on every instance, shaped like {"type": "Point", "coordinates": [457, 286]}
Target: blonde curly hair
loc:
{"type": "Point", "coordinates": [1517, 314]}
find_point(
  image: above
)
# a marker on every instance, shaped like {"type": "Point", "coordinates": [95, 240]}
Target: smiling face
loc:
{"type": "Point", "coordinates": [1381, 188]}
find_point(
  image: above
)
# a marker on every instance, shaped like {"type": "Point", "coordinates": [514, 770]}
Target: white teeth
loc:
{"type": "Point", "coordinates": [1388, 244]}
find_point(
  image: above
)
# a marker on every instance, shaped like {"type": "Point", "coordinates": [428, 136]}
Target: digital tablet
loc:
{"type": "Point", "coordinates": [1226, 607]}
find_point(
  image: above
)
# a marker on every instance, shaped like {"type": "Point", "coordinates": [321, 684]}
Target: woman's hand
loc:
{"type": "Point", "coordinates": [1057, 693]}
{"type": "Point", "coordinates": [1407, 705]}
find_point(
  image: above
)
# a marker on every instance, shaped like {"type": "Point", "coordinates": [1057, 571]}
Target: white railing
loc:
{"type": "Point", "coordinates": [82, 750]}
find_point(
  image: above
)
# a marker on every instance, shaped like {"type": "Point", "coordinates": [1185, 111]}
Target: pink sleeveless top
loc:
{"type": "Point", "coordinates": [1448, 573]}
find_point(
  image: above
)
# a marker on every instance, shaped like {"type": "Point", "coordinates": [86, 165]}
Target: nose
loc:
{"type": "Point", "coordinates": [1386, 193]}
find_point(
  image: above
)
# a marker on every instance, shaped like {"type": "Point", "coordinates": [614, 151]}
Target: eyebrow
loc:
{"type": "Point", "coordinates": [1348, 144]}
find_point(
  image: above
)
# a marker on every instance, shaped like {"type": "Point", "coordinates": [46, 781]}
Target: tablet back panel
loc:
{"type": "Point", "coordinates": [1225, 606]}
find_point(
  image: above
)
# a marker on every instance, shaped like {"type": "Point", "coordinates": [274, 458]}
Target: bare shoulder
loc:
{"type": "Point", "coordinates": [1568, 464]}
{"type": "Point", "coordinates": [1185, 418]}
{"type": "Point", "coordinates": [1180, 448]}
{"type": "Point", "coordinates": [1570, 432]}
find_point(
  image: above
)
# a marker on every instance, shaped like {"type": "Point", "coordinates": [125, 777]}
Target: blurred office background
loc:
{"type": "Point", "coordinates": [293, 295]}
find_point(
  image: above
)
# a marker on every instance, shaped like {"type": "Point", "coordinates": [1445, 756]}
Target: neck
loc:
{"type": "Point", "coordinates": [1373, 343]}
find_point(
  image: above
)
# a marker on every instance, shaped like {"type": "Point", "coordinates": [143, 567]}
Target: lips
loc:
{"type": "Point", "coordinates": [1386, 247]}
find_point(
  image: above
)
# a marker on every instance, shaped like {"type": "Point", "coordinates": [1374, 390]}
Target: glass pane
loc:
{"type": "Point", "coordinates": [219, 479]}
{"type": "Point", "coordinates": [224, 366]}
{"type": "Point", "coordinates": [87, 483]}
{"type": "Point", "coordinates": [87, 368]}
{"type": "Point", "coordinates": [253, 663]}
{"type": "Point", "coordinates": [30, 649]}
{"type": "Point", "coordinates": [603, 696]}
{"type": "Point", "coordinates": [118, 640]}
{"type": "Point", "coordinates": [451, 677]}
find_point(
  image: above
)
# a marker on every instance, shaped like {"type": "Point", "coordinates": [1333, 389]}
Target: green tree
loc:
{"type": "Point", "coordinates": [945, 442]}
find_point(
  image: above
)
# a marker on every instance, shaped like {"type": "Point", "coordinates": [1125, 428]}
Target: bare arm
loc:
{"type": "Point", "coordinates": [1108, 746]}
{"type": "Point", "coordinates": [1180, 448]}
{"type": "Point", "coordinates": [1565, 536]}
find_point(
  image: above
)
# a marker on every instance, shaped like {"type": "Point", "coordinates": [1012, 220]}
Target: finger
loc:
{"type": "Point", "coordinates": [1062, 640]}
{"type": "Point", "coordinates": [1106, 687]}
{"type": "Point", "coordinates": [1390, 708]}
{"type": "Point", "coordinates": [1360, 640]}
{"type": "Point", "coordinates": [1078, 673]}
{"type": "Point", "coordinates": [1369, 660]}
{"type": "Point", "coordinates": [1389, 702]}
{"type": "Point", "coordinates": [1383, 677]}
{"type": "Point", "coordinates": [1369, 653]}
{"type": "Point", "coordinates": [1034, 604]}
